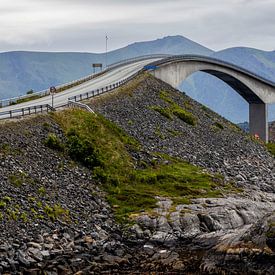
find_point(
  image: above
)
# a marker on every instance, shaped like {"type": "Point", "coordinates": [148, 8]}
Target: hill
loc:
{"type": "Point", "coordinates": [22, 71]}
{"type": "Point", "coordinates": [219, 96]}
{"type": "Point", "coordinates": [154, 182]}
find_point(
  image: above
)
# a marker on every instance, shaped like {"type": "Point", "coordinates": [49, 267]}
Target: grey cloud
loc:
{"type": "Point", "coordinates": [80, 25]}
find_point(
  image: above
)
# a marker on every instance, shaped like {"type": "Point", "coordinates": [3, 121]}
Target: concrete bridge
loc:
{"type": "Point", "coordinates": [257, 91]}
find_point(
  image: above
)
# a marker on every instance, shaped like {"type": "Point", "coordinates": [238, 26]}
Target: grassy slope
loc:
{"type": "Point", "coordinates": [104, 148]}
{"type": "Point", "coordinates": [271, 148]}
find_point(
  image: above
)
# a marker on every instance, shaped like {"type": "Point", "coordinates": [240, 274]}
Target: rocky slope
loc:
{"type": "Point", "coordinates": [216, 145]}
{"type": "Point", "coordinates": [53, 216]}
{"type": "Point", "coordinates": [54, 212]}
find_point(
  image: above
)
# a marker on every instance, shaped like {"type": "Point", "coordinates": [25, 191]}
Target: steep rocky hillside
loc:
{"type": "Point", "coordinates": [153, 182]}
{"type": "Point", "coordinates": [166, 122]}
{"type": "Point", "coordinates": [49, 205]}
{"type": "Point", "coordinates": [146, 113]}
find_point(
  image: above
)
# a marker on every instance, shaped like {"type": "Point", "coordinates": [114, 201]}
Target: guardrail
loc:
{"type": "Point", "coordinates": [68, 85]}
{"type": "Point", "coordinates": [72, 101]}
{"type": "Point", "coordinates": [80, 105]}
{"type": "Point", "coordinates": [135, 59]}
{"type": "Point", "coordinates": [60, 88]}
{"type": "Point", "coordinates": [26, 111]}
{"type": "Point", "coordinates": [97, 92]}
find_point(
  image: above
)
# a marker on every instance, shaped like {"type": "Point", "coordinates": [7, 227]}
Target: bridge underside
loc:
{"type": "Point", "coordinates": [236, 85]}
{"type": "Point", "coordinates": [252, 90]}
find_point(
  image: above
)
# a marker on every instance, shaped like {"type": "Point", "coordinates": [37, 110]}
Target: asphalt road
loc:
{"type": "Point", "coordinates": [104, 80]}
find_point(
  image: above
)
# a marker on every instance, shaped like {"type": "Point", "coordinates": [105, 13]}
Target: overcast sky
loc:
{"type": "Point", "coordinates": [80, 25]}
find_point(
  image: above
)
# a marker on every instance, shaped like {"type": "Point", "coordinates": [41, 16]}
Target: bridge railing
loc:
{"type": "Point", "coordinates": [68, 85]}
{"type": "Point", "coordinates": [71, 101]}
{"type": "Point", "coordinates": [215, 61]}
{"type": "Point", "coordinates": [100, 91]}
{"type": "Point", "coordinates": [136, 59]}
{"type": "Point", "coordinates": [26, 111]}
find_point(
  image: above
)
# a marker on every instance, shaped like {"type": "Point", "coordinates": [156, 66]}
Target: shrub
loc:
{"type": "Point", "coordinates": [163, 111]}
{"type": "Point", "coordinates": [56, 212]}
{"type": "Point", "coordinates": [2, 204]}
{"type": "Point", "coordinates": [7, 199]}
{"type": "Point", "coordinates": [29, 92]}
{"type": "Point", "coordinates": [42, 191]}
{"type": "Point", "coordinates": [54, 142]}
{"type": "Point", "coordinates": [82, 150]}
{"type": "Point", "coordinates": [17, 179]}
{"type": "Point", "coordinates": [185, 116]}
{"type": "Point", "coordinates": [218, 125]}
{"type": "Point", "coordinates": [164, 95]}
{"type": "Point", "coordinates": [271, 148]}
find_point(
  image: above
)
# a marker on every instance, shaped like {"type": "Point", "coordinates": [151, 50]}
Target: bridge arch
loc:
{"type": "Point", "coordinates": [257, 91]}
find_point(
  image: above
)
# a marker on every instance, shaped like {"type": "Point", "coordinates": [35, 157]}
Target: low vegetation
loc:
{"type": "Point", "coordinates": [26, 99]}
{"type": "Point", "coordinates": [54, 142]}
{"type": "Point", "coordinates": [271, 148]}
{"type": "Point", "coordinates": [218, 125]}
{"type": "Point", "coordinates": [19, 178]}
{"type": "Point", "coordinates": [163, 111]}
{"type": "Point", "coordinates": [32, 211]}
{"type": "Point", "coordinates": [104, 148]}
{"type": "Point", "coordinates": [174, 109]}
{"type": "Point", "coordinates": [184, 115]}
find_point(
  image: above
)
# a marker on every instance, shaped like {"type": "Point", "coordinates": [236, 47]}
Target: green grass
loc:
{"type": "Point", "coordinates": [56, 212]}
{"type": "Point", "coordinates": [6, 149]}
{"type": "Point", "coordinates": [174, 109]}
{"type": "Point", "coordinates": [131, 190]}
{"type": "Point", "coordinates": [271, 148]}
{"type": "Point", "coordinates": [163, 111]}
{"type": "Point", "coordinates": [218, 125]}
{"type": "Point", "coordinates": [27, 99]}
{"type": "Point", "coordinates": [53, 142]}
{"type": "Point", "coordinates": [184, 115]}
{"type": "Point", "coordinates": [17, 179]}
{"type": "Point", "coordinates": [165, 96]}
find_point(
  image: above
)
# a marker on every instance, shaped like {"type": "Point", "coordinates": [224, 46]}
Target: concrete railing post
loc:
{"type": "Point", "coordinates": [258, 123]}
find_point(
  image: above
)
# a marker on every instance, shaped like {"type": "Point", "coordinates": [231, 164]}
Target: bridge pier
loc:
{"type": "Point", "coordinates": [258, 123]}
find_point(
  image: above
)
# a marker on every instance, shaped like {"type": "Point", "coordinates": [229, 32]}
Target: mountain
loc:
{"type": "Point", "coordinates": [22, 71]}
{"type": "Point", "coordinates": [219, 96]}
{"type": "Point", "coordinates": [168, 45]}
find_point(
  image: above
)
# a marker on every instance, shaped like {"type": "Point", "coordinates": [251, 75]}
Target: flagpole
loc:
{"type": "Point", "coordinates": [106, 63]}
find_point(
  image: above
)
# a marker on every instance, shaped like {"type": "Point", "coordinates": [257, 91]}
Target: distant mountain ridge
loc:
{"type": "Point", "coordinates": [22, 71]}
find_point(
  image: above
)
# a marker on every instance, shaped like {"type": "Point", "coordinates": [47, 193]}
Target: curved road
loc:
{"type": "Point", "coordinates": [104, 80]}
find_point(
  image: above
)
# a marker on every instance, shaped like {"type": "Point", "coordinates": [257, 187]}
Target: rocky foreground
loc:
{"type": "Point", "coordinates": [236, 227]}
{"type": "Point", "coordinates": [55, 217]}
